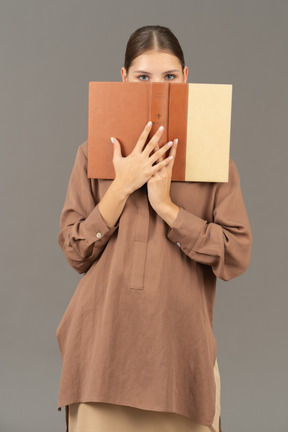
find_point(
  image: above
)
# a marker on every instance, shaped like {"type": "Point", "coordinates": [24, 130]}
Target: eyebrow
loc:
{"type": "Point", "coordinates": [148, 73]}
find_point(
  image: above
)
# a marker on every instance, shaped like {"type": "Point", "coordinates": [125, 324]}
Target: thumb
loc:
{"type": "Point", "coordinates": [117, 147]}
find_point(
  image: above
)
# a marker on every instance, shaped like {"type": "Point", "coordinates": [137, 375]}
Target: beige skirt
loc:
{"type": "Point", "coordinates": [108, 417]}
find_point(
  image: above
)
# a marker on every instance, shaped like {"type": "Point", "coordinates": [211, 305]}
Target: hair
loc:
{"type": "Point", "coordinates": [152, 37]}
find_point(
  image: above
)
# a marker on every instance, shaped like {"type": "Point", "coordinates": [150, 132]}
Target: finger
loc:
{"type": "Point", "coordinates": [143, 138]}
{"type": "Point", "coordinates": [116, 148]}
{"type": "Point", "coordinates": [162, 164]}
{"type": "Point", "coordinates": [174, 148]}
{"type": "Point", "coordinates": [153, 141]}
{"type": "Point", "coordinates": [173, 152]}
{"type": "Point", "coordinates": [160, 152]}
{"type": "Point", "coordinates": [155, 150]}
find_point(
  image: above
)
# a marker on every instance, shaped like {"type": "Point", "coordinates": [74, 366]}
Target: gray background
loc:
{"type": "Point", "coordinates": [50, 50]}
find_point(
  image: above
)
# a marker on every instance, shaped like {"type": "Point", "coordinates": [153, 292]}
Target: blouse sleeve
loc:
{"type": "Point", "coordinates": [224, 244]}
{"type": "Point", "coordinates": [83, 233]}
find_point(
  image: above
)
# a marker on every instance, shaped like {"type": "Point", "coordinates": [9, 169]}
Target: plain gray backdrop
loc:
{"type": "Point", "coordinates": [50, 50]}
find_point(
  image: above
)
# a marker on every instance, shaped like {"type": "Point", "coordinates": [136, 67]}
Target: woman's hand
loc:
{"type": "Point", "coordinates": [158, 187]}
{"type": "Point", "coordinates": [133, 171]}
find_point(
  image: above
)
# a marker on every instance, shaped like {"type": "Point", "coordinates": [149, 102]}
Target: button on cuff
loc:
{"type": "Point", "coordinates": [94, 228]}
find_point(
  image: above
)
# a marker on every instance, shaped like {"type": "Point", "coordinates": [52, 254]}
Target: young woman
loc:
{"type": "Point", "coordinates": [136, 340]}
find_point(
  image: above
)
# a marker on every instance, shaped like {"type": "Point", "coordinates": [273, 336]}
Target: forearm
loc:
{"type": "Point", "coordinates": [112, 204]}
{"type": "Point", "coordinates": [168, 212]}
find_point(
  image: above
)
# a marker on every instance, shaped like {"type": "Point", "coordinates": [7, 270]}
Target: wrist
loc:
{"type": "Point", "coordinates": [168, 212]}
{"type": "Point", "coordinates": [121, 191]}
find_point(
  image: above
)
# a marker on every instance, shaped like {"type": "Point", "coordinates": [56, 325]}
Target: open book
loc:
{"type": "Point", "coordinates": [199, 115]}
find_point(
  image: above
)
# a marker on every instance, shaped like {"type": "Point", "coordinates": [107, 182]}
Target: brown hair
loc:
{"type": "Point", "coordinates": [152, 37]}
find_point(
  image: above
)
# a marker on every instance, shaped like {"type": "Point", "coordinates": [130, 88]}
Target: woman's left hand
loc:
{"type": "Point", "coordinates": [158, 186]}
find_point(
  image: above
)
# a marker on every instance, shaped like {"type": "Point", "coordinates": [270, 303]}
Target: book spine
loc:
{"type": "Point", "coordinates": [178, 111]}
{"type": "Point", "coordinates": [159, 110]}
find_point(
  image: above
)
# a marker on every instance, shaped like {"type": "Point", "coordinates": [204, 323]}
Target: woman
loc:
{"type": "Point", "coordinates": [136, 339]}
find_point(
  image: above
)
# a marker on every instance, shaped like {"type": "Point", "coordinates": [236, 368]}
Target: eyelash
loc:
{"type": "Point", "coordinates": [174, 76]}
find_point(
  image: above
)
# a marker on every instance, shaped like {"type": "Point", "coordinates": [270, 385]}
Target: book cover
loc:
{"type": "Point", "coordinates": [199, 115]}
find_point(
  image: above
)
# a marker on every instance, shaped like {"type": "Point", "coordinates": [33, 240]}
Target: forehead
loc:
{"type": "Point", "coordinates": [155, 61]}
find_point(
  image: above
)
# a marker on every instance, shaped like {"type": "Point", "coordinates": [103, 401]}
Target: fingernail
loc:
{"type": "Point", "coordinates": [161, 128]}
{"type": "Point", "coordinates": [170, 143]}
{"type": "Point", "coordinates": [149, 123]}
{"type": "Point", "coordinates": [176, 141]}
{"type": "Point", "coordinates": [112, 139]}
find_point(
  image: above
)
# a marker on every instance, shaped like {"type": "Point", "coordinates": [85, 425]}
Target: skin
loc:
{"type": "Point", "coordinates": [136, 169]}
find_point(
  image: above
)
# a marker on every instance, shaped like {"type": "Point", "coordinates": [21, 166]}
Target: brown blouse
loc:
{"type": "Point", "coordinates": [138, 329]}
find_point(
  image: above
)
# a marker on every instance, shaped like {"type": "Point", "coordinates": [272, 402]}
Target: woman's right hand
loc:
{"type": "Point", "coordinates": [133, 171]}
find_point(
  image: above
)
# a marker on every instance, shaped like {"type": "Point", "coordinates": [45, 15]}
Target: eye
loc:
{"type": "Point", "coordinates": [146, 77]}
{"type": "Point", "coordinates": [171, 75]}
{"type": "Point", "coordinates": [140, 77]}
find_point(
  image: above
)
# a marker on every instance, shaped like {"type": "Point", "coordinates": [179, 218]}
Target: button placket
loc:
{"type": "Point", "coordinates": [140, 240]}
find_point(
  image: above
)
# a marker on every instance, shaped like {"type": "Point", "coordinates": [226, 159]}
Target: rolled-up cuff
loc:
{"type": "Point", "coordinates": [186, 229]}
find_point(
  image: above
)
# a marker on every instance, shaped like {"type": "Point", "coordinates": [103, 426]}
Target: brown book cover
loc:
{"type": "Point", "coordinates": [199, 115]}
